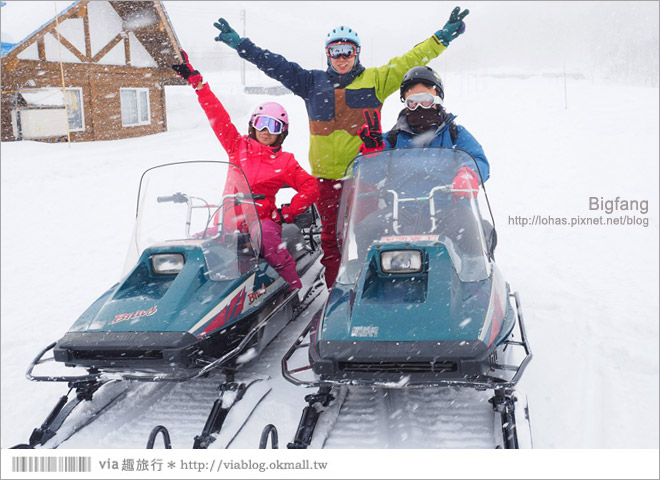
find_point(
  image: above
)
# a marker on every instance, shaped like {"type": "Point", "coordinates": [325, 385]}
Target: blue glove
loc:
{"type": "Point", "coordinates": [454, 26]}
{"type": "Point", "coordinates": [228, 35]}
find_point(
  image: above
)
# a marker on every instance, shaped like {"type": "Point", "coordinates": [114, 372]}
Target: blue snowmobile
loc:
{"type": "Point", "coordinates": [196, 296]}
{"type": "Point", "coordinates": [419, 300]}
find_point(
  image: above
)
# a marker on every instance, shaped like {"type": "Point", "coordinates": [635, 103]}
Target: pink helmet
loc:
{"type": "Point", "coordinates": [272, 110]}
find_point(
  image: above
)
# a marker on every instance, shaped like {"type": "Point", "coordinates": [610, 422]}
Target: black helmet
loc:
{"type": "Point", "coordinates": [425, 75]}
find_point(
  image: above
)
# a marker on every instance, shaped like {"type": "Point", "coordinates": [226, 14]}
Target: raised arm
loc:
{"type": "Point", "coordinates": [218, 117]}
{"type": "Point", "coordinates": [289, 74]}
{"type": "Point", "coordinates": [389, 76]}
{"type": "Point", "coordinates": [220, 121]}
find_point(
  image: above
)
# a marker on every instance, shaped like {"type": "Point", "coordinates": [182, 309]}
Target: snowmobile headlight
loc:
{"type": "Point", "coordinates": [167, 263]}
{"type": "Point", "coordinates": [401, 261]}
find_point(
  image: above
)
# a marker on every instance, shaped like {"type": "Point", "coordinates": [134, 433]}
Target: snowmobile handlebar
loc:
{"type": "Point", "coordinates": [245, 198]}
{"type": "Point", "coordinates": [178, 197]}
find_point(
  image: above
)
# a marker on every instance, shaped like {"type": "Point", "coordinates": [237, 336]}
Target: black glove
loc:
{"type": "Point", "coordinates": [187, 72]}
{"type": "Point", "coordinates": [371, 132]}
{"type": "Point", "coordinates": [184, 69]}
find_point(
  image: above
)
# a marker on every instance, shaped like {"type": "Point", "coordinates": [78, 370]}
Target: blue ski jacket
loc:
{"type": "Point", "coordinates": [440, 137]}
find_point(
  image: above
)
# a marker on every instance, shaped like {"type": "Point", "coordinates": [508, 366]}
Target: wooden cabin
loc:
{"type": "Point", "coordinates": [97, 71]}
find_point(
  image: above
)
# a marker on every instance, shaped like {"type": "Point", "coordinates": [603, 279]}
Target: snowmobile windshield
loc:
{"type": "Point", "coordinates": [412, 196]}
{"type": "Point", "coordinates": [201, 203]}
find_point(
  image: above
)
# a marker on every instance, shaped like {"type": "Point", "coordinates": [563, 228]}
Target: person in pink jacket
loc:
{"type": "Point", "coordinates": [266, 166]}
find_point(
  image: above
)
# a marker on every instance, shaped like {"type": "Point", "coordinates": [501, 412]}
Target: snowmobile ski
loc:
{"type": "Point", "coordinates": [50, 428]}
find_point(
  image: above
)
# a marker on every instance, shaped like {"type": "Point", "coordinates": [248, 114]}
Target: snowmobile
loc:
{"type": "Point", "coordinates": [419, 301]}
{"type": "Point", "coordinates": [195, 297]}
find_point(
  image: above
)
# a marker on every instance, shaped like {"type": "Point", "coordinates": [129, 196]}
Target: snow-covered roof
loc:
{"type": "Point", "coordinates": [20, 20]}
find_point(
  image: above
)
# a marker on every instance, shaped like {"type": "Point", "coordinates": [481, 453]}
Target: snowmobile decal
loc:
{"type": "Point", "coordinates": [496, 307]}
{"type": "Point", "coordinates": [498, 316]}
{"type": "Point", "coordinates": [229, 313]}
{"type": "Point", "coordinates": [365, 331]}
{"type": "Point", "coordinates": [254, 296]}
{"type": "Point", "coordinates": [128, 316]}
{"type": "Point", "coordinates": [410, 238]}
{"type": "Point", "coordinates": [231, 307]}
{"type": "Point", "coordinates": [215, 315]}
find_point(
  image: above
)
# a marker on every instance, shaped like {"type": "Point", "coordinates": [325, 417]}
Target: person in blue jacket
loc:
{"type": "Point", "coordinates": [424, 122]}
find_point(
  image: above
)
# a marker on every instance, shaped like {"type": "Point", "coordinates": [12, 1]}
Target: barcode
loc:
{"type": "Point", "coordinates": [51, 464]}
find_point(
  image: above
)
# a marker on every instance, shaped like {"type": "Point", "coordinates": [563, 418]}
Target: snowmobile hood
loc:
{"type": "Point", "coordinates": [147, 302]}
{"type": "Point", "coordinates": [433, 305]}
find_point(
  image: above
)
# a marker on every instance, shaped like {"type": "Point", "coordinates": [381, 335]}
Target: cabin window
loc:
{"type": "Point", "coordinates": [135, 107]}
{"type": "Point", "coordinates": [75, 109]}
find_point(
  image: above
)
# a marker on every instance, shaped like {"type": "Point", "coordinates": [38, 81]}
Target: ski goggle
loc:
{"type": "Point", "coordinates": [424, 100]}
{"type": "Point", "coordinates": [273, 125]}
{"type": "Point", "coordinates": [337, 50]}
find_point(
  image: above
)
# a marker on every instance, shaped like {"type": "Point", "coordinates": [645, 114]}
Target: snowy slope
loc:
{"type": "Point", "coordinates": [589, 293]}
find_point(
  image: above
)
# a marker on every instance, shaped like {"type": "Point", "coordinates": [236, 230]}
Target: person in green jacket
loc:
{"type": "Point", "coordinates": [335, 99]}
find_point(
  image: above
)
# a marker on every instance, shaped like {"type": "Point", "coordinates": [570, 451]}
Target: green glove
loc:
{"type": "Point", "coordinates": [454, 26]}
{"type": "Point", "coordinates": [227, 34]}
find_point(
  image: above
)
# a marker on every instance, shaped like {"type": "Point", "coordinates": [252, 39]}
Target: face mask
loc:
{"type": "Point", "coordinates": [422, 119]}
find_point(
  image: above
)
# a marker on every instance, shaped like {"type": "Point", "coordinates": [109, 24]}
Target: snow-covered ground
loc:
{"type": "Point", "coordinates": [589, 293]}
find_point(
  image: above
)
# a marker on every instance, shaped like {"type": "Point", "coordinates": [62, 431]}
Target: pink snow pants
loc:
{"type": "Point", "coordinates": [274, 251]}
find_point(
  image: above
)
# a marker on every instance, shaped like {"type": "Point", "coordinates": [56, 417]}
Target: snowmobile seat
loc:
{"type": "Point", "coordinates": [295, 242]}
{"type": "Point", "coordinates": [490, 234]}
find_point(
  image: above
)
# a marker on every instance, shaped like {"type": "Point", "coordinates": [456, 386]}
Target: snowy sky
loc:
{"type": "Point", "coordinates": [527, 36]}
{"type": "Point", "coordinates": [523, 35]}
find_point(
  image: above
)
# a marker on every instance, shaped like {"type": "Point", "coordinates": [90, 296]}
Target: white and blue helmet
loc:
{"type": "Point", "coordinates": [343, 34]}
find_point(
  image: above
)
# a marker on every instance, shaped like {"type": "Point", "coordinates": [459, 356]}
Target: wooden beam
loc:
{"type": "Point", "coordinates": [170, 32]}
{"type": "Point", "coordinates": [127, 50]}
{"type": "Point", "coordinates": [92, 107]}
{"type": "Point", "coordinates": [76, 68]}
{"type": "Point", "coordinates": [108, 47]}
{"type": "Point", "coordinates": [151, 28]}
{"type": "Point", "coordinates": [10, 63]}
{"type": "Point", "coordinates": [41, 48]}
{"type": "Point", "coordinates": [81, 13]}
{"type": "Point", "coordinates": [88, 40]}
{"type": "Point", "coordinates": [164, 104]}
{"type": "Point", "coordinates": [72, 49]}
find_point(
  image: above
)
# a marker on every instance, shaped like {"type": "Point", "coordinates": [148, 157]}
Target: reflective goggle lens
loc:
{"type": "Point", "coordinates": [273, 125]}
{"type": "Point", "coordinates": [336, 50]}
{"type": "Point", "coordinates": [424, 100]}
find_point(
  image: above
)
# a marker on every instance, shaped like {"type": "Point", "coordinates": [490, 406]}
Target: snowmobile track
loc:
{"type": "Point", "coordinates": [438, 417]}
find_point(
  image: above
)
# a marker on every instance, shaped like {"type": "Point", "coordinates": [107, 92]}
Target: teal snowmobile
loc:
{"type": "Point", "coordinates": [419, 300]}
{"type": "Point", "coordinates": [196, 297]}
